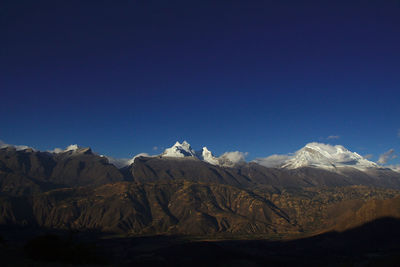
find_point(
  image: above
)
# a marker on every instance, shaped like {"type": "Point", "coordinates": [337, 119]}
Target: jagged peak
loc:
{"type": "Point", "coordinates": [207, 156]}
{"type": "Point", "coordinates": [179, 150]}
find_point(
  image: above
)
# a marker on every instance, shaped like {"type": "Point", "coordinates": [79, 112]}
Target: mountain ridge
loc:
{"type": "Point", "coordinates": [316, 155]}
{"type": "Point", "coordinates": [79, 190]}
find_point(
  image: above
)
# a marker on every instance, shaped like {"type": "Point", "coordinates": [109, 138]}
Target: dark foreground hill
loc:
{"type": "Point", "coordinates": [371, 244]}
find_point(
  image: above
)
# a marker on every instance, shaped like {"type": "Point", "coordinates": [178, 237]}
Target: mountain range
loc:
{"type": "Point", "coordinates": [314, 165]}
{"type": "Point", "coordinates": [316, 155]}
{"type": "Point", "coordinates": [317, 189]}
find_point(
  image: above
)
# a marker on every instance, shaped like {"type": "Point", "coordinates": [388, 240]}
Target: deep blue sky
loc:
{"type": "Point", "coordinates": [262, 78]}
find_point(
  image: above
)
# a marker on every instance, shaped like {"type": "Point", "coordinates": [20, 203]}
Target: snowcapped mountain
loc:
{"type": "Point", "coordinates": [185, 150]}
{"type": "Point", "coordinates": [228, 159]}
{"type": "Point", "coordinates": [316, 155]}
{"type": "Point", "coordinates": [319, 155]}
{"type": "Point", "coordinates": [327, 156]}
{"type": "Point", "coordinates": [179, 151]}
{"type": "Point", "coordinates": [207, 156]}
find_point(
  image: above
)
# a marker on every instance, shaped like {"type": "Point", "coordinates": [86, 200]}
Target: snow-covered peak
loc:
{"type": "Point", "coordinates": [179, 150]}
{"type": "Point", "coordinates": [207, 156]}
{"type": "Point", "coordinates": [228, 159]}
{"type": "Point", "coordinates": [324, 156]}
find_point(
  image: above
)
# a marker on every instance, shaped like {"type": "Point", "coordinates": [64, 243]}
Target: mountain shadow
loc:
{"type": "Point", "coordinates": [372, 244]}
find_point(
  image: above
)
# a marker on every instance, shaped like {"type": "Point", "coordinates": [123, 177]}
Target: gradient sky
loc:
{"type": "Point", "coordinates": [124, 77]}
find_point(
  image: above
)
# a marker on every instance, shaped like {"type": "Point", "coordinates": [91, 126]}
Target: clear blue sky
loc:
{"type": "Point", "coordinates": [262, 78]}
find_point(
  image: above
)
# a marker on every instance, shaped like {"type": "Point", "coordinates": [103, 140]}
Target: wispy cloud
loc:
{"type": "Point", "coordinates": [273, 160]}
{"type": "Point", "coordinates": [122, 162]}
{"type": "Point", "coordinates": [332, 137]}
{"type": "Point", "coordinates": [385, 157]}
{"type": "Point", "coordinates": [368, 156]}
{"type": "Point", "coordinates": [155, 148]}
{"type": "Point", "coordinates": [398, 133]}
{"type": "Point", "coordinates": [119, 163]}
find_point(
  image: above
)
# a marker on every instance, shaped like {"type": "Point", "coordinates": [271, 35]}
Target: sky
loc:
{"type": "Point", "coordinates": [263, 77]}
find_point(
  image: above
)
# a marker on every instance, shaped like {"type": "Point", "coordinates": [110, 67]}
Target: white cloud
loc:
{"type": "Point", "coordinates": [56, 150]}
{"type": "Point", "coordinates": [72, 147]}
{"type": "Point", "coordinates": [385, 157]}
{"type": "Point", "coordinates": [232, 158]}
{"type": "Point", "coordinates": [273, 160]}
{"type": "Point", "coordinates": [141, 155]}
{"type": "Point", "coordinates": [331, 137]}
{"type": "Point", "coordinates": [155, 148]}
{"type": "Point", "coordinates": [398, 133]}
{"type": "Point", "coordinates": [21, 147]}
{"type": "Point", "coordinates": [119, 163]}
{"type": "Point", "coordinates": [68, 148]}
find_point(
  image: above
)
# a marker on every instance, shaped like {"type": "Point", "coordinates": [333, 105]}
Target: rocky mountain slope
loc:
{"type": "Point", "coordinates": [183, 207]}
{"type": "Point", "coordinates": [180, 192]}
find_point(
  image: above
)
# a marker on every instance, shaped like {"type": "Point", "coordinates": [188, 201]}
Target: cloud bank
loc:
{"type": "Point", "coordinates": [3, 145]}
{"type": "Point", "coordinates": [232, 158]}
